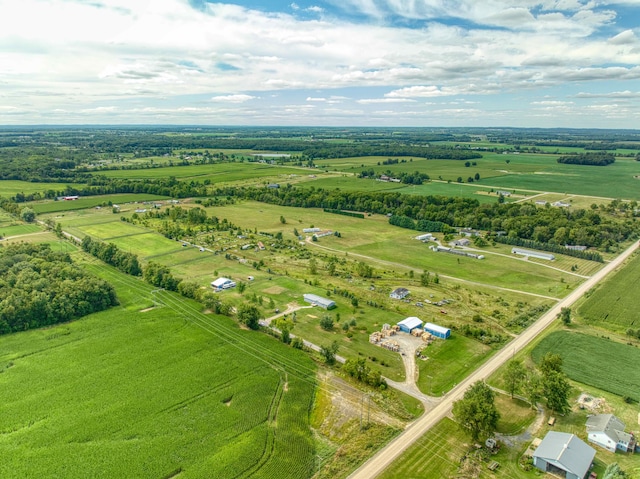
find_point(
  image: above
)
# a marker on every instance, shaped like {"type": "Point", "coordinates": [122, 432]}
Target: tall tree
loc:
{"type": "Point", "coordinates": [329, 353]}
{"type": "Point", "coordinates": [532, 388]}
{"type": "Point", "coordinates": [476, 412]}
{"type": "Point", "coordinates": [613, 471]}
{"type": "Point", "coordinates": [514, 376]}
{"type": "Point", "coordinates": [565, 316]}
{"type": "Point", "coordinates": [556, 389]}
{"type": "Point", "coordinates": [550, 362]}
{"type": "Point", "coordinates": [249, 316]}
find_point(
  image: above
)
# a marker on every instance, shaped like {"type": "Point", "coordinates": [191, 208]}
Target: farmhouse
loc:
{"type": "Point", "coordinates": [606, 430]}
{"type": "Point", "coordinates": [223, 283]}
{"type": "Point", "coordinates": [437, 331]}
{"type": "Point", "coordinates": [310, 230]}
{"type": "Point", "coordinates": [399, 293]}
{"type": "Point", "coordinates": [564, 454]}
{"type": "Point", "coordinates": [319, 301]}
{"type": "Point", "coordinates": [503, 193]}
{"type": "Point", "coordinates": [533, 254]}
{"type": "Point", "coordinates": [561, 204]}
{"type": "Point", "coordinates": [409, 324]}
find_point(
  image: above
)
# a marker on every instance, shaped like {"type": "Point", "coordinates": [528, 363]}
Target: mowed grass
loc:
{"type": "Point", "coordinates": [449, 362]}
{"type": "Point", "coordinates": [90, 202]}
{"type": "Point", "coordinates": [595, 361]}
{"type": "Point", "coordinates": [613, 304]}
{"type": "Point", "coordinates": [18, 229]}
{"type": "Point", "coordinates": [435, 455]}
{"type": "Point", "coordinates": [126, 393]}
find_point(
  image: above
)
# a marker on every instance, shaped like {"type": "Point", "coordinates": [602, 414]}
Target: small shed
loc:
{"type": "Point", "coordinates": [409, 324]}
{"type": "Point", "coordinates": [316, 300]}
{"type": "Point", "coordinates": [437, 331]}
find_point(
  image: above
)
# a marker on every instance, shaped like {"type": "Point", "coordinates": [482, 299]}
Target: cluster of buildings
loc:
{"type": "Point", "coordinates": [409, 324]}
{"type": "Point", "coordinates": [566, 455]}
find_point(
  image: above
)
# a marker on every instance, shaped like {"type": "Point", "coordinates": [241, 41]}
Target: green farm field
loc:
{"type": "Point", "coordinates": [217, 173]}
{"type": "Point", "coordinates": [524, 172]}
{"type": "Point", "coordinates": [18, 229]}
{"type": "Point", "coordinates": [9, 188]}
{"type": "Point", "coordinates": [595, 361]}
{"type": "Point", "coordinates": [613, 304]}
{"type": "Point", "coordinates": [153, 393]}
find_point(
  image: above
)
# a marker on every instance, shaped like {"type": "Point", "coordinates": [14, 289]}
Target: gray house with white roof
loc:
{"type": "Point", "coordinates": [564, 454]}
{"type": "Point", "coordinates": [607, 431]}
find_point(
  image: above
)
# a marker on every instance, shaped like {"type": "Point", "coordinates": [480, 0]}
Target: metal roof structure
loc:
{"type": "Point", "coordinates": [567, 452]}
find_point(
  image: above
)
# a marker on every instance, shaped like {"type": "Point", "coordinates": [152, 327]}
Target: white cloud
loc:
{"type": "Point", "coordinates": [232, 98]}
{"type": "Point", "coordinates": [384, 100]}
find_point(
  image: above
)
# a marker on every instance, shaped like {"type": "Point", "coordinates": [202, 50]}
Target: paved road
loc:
{"type": "Point", "coordinates": [385, 457]}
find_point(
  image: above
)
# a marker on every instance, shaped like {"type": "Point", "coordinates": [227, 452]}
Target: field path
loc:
{"type": "Point", "coordinates": [453, 278]}
{"type": "Point", "coordinates": [385, 457]}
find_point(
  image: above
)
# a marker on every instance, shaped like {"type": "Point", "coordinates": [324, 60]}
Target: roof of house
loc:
{"type": "Point", "coordinates": [400, 291]}
{"type": "Point", "coordinates": [435, 327]}
{"type": "Point", "coordinates": [567, 452]}
{"type": "Point", "coordinates": [610, 425]}
{"type": "Point", "coordinates": [411, 322]}
{"type": "Point", "coordinates": [220, 281]}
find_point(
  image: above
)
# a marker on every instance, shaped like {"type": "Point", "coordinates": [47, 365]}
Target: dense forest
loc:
{"type": "Point", "coordinates": [40, 287]}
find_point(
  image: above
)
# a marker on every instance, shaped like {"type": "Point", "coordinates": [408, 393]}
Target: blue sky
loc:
{"type": "Point", "coordinates": [521, 63]}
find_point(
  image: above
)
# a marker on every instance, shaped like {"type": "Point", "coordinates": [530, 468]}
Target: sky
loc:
{"type": "Point", "coordinates": [450, 63]}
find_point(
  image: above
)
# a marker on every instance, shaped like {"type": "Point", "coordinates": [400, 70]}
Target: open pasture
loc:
{"type": "Point", "coordinates": [90, 202]}
{"type": "Point", "coordinates": [613, 181]}
{"type": "Point", "coordinates": [595, 361]}
{"type": "Point", "coordinates": [153, 394]}
{"type": "Point", "coordinates": [373, 237]}
{"type": "Point", "coordinates": [216, 173]}
{"type": "Point", "coordinates": [613, 304]}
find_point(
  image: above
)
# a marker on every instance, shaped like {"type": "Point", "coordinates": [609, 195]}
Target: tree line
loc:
{"type": "Point", "coordinates": [588, 158]}
{"type": "Point", "coordinates": [40, 287]}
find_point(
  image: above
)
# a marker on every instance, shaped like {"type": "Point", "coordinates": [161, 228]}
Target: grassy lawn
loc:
{"type": "Point", "coordinates": [595, 361]}
{"type": "Point", "coordinates": [153, 394]}
{"type": "Point", "coordinates": [435, 455]}
{"type": "Point", "coordinates": [515, 415]}
{"type": "Point", "coordinates": [450, 361]}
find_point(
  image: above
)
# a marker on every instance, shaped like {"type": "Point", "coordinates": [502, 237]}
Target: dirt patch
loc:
{"type": "Point", "coordinates": [312, 316]}
{"type": "Point", "coordinates": [274, 290]}
{"type": "Point", "coordinates": [592, 404]}
{"type": "Point", "coordinates": [147, 309]}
